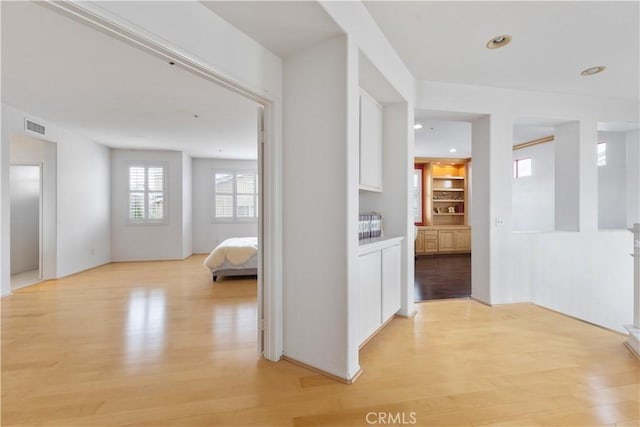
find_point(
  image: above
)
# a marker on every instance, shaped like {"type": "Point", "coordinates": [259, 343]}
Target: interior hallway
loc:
{"type": "Point", "coordinates": [442, 276]}
{"type": "Point", "coordinates": [156, 343]}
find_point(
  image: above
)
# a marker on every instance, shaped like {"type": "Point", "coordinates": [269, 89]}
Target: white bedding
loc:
{"type": "Point", "coordinates": [233, 252]}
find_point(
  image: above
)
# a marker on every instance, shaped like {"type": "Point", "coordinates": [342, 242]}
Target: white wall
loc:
{"type": "Point", "coordinates": [132, 242]}
{"type": "Point", "coordinates": [315, 238]}
{"type": "Point", "coordinates": [612, 182]}
{"type": "Point", "coordinates": [25, 218]}
{"type": "Point", "coordinates": [587, 275]}
{"type": "Point", "coordinates": [633, 178]}
{"type": "Point", "coordinates": [533, 196]}
{"type": "Point", "coordinates": [84, 233]}
{"type": "Point", "coordinates": [207, 234]}
{"type": "Point", "coordinates": [187, 206]}
{"type": "Point", "coordinates": [83, 214]}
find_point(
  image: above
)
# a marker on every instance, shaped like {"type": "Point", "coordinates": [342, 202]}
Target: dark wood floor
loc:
{"type": "Point", "coordinates": [442, 276]}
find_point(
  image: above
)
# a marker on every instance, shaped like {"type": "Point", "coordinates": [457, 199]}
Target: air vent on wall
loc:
{"type": "Point", "coordinates": [34, 127]}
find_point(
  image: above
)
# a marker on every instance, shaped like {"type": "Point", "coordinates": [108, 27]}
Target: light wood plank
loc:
{"type": "Point", "coordinates": [157, 343]}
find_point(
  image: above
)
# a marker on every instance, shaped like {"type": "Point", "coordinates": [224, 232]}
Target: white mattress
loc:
{"type": "Point", "coordinates": [234, 253]}
{"type": "Point", "coordinates": [252, 263]}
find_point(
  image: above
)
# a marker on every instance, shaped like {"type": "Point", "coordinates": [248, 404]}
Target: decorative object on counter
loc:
{"type": "Point", "coordinates": [376, 224]}
{"type": "Point", "coordinates": [364, 227]}
{"type": "Point", "coordinates": [369, 226]}
{"type": "Point", "coordinates": [452, 209]}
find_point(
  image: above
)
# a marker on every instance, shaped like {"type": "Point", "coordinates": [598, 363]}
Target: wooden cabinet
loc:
{"type": "Point", "coordinates": [370, 143]}
{"type": "Point", "coordinates": [450, 239]}
{"type": "Point", "coordinates": [462, 240]}
{"type": "Point", "coordinates": [446, 240]}
{"type": "Point", "coordinates": [379, 287]}
{"type": "Point", "coordinates": [427, 242]}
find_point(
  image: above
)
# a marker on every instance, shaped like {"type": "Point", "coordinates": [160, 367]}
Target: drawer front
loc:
{"type": "Point", "coordinates": [431, 245]}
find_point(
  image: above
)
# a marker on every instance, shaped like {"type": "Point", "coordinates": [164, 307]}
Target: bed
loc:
{"type": "Point", "coordinates": [237, 256]}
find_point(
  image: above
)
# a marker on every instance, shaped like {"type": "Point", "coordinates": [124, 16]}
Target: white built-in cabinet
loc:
{"type": "Point", "coordinates": [370, 295]}
{"type": "Point", "coordinates": [391, 277]}
{"type": "Point", "coordinates": [379, 285]}
{"type": "Point", "coordinates": [370, 143]}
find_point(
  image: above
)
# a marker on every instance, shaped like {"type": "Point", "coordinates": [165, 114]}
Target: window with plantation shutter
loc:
{"type": "Point", "coordinates": [235, 196]}
{"type": "Point", "coordinates": [147, 193]}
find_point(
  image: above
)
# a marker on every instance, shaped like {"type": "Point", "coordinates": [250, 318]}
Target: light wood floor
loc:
{"type": "Point", "coordinates": [157, 344]}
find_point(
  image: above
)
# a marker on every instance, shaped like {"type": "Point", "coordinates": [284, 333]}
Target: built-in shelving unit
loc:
{"type": "Point", "coordinates": [446, 191]}
{"type": "Point", "coordinates": [445, 225]}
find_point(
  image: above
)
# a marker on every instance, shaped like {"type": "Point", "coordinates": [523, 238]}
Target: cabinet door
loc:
{"type": "Point", "coordinates": [446, 240]}
{"type": "Point", "coordinates": [430, 242]}
{"type": "Point", "coordinates": [420, 248]}
{"type": "Point", "coordinates": [370, 143]}
{"type": "Point", "coordinates": [462, 240]}
{"type": "Point", "coordinates": [391, 278]}
{"type": "Point", "coordinates": [370, 295]}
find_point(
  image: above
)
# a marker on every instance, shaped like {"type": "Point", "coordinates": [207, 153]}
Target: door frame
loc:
{"type": "Point", "coordinates": [271, 222]}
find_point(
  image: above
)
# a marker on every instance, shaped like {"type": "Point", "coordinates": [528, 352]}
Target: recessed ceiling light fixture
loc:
{"type": "Point", "coordinates": [499, 41]}
{"type": "Point", "coordinates": [417, 126]}
{"type": "Point", "coordinates": [593, 70]}
{"type": "Point", "coordinates": [453, 150]}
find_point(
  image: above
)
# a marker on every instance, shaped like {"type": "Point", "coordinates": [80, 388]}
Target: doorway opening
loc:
{"type": "Point", "coordinates": [442, 205]}
{"type": "Point", "coordinates": [160, 133]}
{"type": "Point", "coordinates": [25, 183]}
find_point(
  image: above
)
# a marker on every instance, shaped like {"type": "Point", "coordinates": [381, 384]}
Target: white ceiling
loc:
{"type": "Point", "coordinates": [437, 137]}
{"type": "Point", "coordinates": [86, 81]}
{"type": "Point", "coordinates": [283, 27]}
{"type": "Point", "coordinates": [552, 42]}
{"type": "Point", "coordinates": [443, 130]}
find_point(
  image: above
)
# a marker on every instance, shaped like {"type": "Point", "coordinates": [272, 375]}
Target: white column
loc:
{"type": "Point", "coordinates": [588, 176]}
{"type": "Point", "coordinates": [567, 178]}
{"type": "Point", "coordinates": [480, 221]}
{"type": "Point", "coordinates": [633, 342]}
{"type": "Point", "coordinates": [320, 201]}
{"type": "Point", "coordinates": [633, 178]}
{"type": "Point", "coordinates": [5, 278]}
{"type": "Point", "coordinates": [492, 157]}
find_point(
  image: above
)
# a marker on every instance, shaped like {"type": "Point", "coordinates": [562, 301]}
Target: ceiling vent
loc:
{"type": "Point", "coordinates": [34, 127]}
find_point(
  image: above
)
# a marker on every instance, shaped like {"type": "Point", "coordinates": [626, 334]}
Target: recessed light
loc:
{"type": "Point", "coordinates": [453, 150]}
{"type": "Point", "coordinates": [593, 70]}
{"type": "Point", "coordinates": [219, 150]}
{"type": "Point", "coordinates": [195, 116]}
{"type": "Point", "coordinates": [172, 63]}
{"type": "Point", "coordinates": [499, 41]}
{"type": "Point", "coordinates": [417, 126]}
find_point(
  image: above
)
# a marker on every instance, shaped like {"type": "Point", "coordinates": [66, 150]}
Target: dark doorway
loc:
{"type": "Point", "coordinates": [442, 276]}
